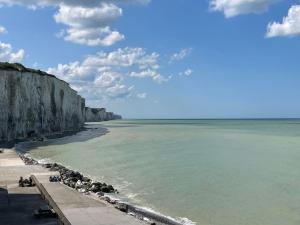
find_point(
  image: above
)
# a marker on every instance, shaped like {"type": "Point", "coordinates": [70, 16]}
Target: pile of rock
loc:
{"type": "Point", "coordinates": [73, 179]}
{"type": "Point", "coordinates": [85, 185]}
{"type": "Point", "coordinates": [28, 160]}
{"type": "Point", "coordinates": [81, 183]}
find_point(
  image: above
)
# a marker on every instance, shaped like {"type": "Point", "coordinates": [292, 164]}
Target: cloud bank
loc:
{"type": "Point", "coordinates": [87, 22]}
{"type": "Point", "coordinates": [90, 25]}
{"type": "Point", "coordinates": [6, 51]}
{"type": "Point", "coordinates": [8, 55]}
{"type": "Point", "coordinates": [102, 76]}
{"type": "Point", "coordinates": [290, 25]}
{"type": "Point", "coordinates": [232, 8]}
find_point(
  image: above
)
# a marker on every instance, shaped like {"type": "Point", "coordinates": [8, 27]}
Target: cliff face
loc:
{"type": "Point", "coordinates": [94, 114]}
{"type": "Point", "coordinates": [99, 114]}
{"type": "Point", "coordinates": [33, 102]}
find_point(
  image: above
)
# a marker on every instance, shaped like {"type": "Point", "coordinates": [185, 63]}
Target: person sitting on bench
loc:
{"type": "Point", "coordinates": [26, 182]}
{"type": "Point", "coordinates": [21, 182]}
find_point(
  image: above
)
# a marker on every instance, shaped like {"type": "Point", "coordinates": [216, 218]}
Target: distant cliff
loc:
{"type": "Point", "coordinates": [99, 114]}
{"type": "Point", "coordinates": [33, 102]}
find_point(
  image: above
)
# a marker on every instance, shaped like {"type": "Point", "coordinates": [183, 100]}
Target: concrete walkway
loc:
{"type": "Point", "coordinates": [17, 204]}
{"type": "Point", "coordinates": [77, 209]}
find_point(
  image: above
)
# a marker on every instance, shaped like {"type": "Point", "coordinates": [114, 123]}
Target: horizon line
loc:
{"type": "Point", "coordinates": [225, 118]}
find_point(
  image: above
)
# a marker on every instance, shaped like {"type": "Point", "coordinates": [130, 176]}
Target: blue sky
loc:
{"type": "Point", "coordinates": [161, 58]}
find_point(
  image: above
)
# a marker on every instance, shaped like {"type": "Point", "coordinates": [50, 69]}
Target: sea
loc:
{"type": "Point", "coordinates": [205, 172]}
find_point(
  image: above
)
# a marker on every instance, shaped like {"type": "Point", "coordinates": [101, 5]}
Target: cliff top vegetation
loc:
{"type": "Point", "coordinates": [20, 68]}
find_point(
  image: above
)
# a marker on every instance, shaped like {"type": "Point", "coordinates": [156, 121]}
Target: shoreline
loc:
{"type": "Point", "coordinates": [67, 206]}
{"type": "Point", "coordinates": [88, 186]}
{"type": "Point", "coordinates": [149, 216]}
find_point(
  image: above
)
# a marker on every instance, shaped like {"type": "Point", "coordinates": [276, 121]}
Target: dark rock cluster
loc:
{"type": "Point", "coordinates": [73, 179]}
{"type": "Point", "coordinates": [28, 160]}
{"type": "Point", "coordinates": [81, 183]}
{"type": "Point", "coordinates": [84, 184]}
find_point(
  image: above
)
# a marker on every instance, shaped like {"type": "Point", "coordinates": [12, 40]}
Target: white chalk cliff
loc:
{"type": "Point", "coordinates": [33, 102]}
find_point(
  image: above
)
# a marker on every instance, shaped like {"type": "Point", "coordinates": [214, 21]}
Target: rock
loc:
{"type": "Point", "coordinates": [41, 139]}
{"type": "Point", "coordinates": [78, 184]}
{"type": "Point", "coordinates": [100, 194]}
{"type": "Point", "coordinates": [28, 161]}
{"type": "Point", "coordinates": [54, 167]}
{"type": "Point", "coordinates": [83, 190]}
{"type": "Point", "coordinates": [146, 219]}
{"type": "Point", "coordinates": [72, 184]}
{"type": "Point", "coordinates": [122, 207]}
{"type": "Point", "coordinates": [110, 188]}
{"type": "Point", "coordinates": [76, 180]}
{"type": "Point", "coordinates": [105, 189]}
{"type": "Point", "coordinates": [47, 165]}
{"type": "Point", "coordinates": [95, 188]}
{"type": "Point", "coordinates": [54, 178]}
{"type": "Point", "coordinates": [105, 198]}
{"type": "Point", "coordinates": [112, 201]}
{"type": "Point", "coordinates": [86, 179]}
{"type": "Point", "coordinates": [98, 184]}
{"type": "Point", "coordinates": [72, 180]}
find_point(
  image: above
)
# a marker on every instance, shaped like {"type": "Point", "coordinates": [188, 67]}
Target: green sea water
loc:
{"type": "Point", "coordinates": [213, 172]}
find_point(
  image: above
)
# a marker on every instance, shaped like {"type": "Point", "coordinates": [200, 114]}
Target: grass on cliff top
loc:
{"type": "Point", "coordinates": [20, 68]}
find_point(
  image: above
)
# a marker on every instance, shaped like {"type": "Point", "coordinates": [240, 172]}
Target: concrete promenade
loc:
{"type": "Point", "coordinates": [17, 204]}
{"type": "Point", "coordinates": [76, 208]}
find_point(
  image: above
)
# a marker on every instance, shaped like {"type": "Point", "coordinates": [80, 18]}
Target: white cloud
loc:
{"type": "Point", "coordinates": [155, 75]}
{"type": "Point", "coordinates": [80, 16]}
{"type": "Point", "coordinates": [187, 72]}
{"type": "Point", "coordinates": [89, 25]}
{"type": "Point", "coordinates": [102, 76]}
{"type": "Point", "coordinates": [6, 51]}
{"type": "Point", "coordinates": [7, 54]}
{"type": "Point", "coordinates": [126, 57]}
{"type": "Point", "coordinates": [183, 53]}
{"type": "Point", "coordinates": [108, 79]}
{"type": "Point", "coordinates": [93, 36]}
{"type": "Point", "coordinates": [92, 83]}
{"type": "Point", "coordinates": [44, 3]}
{"type": "Point", "coordinates": [232, 8]}
{"type": "Point", "coordinates": [2, 30]}
{"type": "Point", "coordinates": [290, 25]}
{"type": "Point", "coordinates": [88, 22]}
{"type": "Point", "coordinates": [119, 91]}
